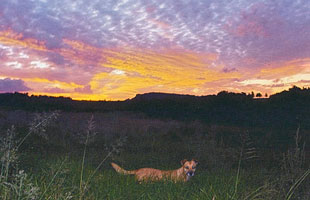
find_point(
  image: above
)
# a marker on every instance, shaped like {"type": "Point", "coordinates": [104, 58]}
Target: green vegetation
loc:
{"type": "Point", "coordinates": [67, 156]}
{"type": "Point", "coordinates": [61, 181]}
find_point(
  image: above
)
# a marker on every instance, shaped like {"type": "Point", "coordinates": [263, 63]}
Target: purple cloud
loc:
{"type": "Point", "coordinates": [85, 90]}
{"type": "Point", "coordinates": [11, 85]}
{"type": "Point", "coordinates": [55, 90]}
{"type": "Point", "coordinates": [265, 30]}
{"type": "Point", "coordinates": [228, 70]}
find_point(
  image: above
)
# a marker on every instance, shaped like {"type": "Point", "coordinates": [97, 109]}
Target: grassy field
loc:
{"type": "Point", "coordinates": [68, 155]}
{"type": "Point", "coordinates": [60, 178]}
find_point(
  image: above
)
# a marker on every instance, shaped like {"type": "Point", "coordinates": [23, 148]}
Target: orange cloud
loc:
{"type": "Point", "coordinates": [164, 71]}
{"type": "Point", "coordinates": [276, 77]}
{"type": "Point", "coordinates": [285, 69]}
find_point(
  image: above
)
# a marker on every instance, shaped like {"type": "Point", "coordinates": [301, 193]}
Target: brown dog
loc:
{"type": "Point", "coordinates": [149, 174]}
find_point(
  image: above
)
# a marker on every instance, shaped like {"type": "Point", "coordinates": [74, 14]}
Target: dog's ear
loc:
{"type": "Point", "coordinates": [196, 161]}
{"type": "Point", "coordinates": [183, 161]}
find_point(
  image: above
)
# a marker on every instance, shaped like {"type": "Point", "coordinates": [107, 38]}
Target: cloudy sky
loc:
{"type": "Point", "coordinates": [114, 49]}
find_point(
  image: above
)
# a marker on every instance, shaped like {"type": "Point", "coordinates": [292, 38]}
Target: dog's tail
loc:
{"type": "Point", "coordinates": [121, 170]}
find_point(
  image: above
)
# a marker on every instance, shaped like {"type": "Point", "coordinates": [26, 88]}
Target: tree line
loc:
{"type": "Point", "coordinates": [287, 108]}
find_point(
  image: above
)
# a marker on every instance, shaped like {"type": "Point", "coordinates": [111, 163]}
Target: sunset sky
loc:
{"type": "Point", "coordinates": [115, 49]}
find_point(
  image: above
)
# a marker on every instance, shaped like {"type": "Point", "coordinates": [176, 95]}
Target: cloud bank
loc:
{"type": "Point", "coordinates": [117, 48]}
{"type": "Point", "coordinates": [9, 85]}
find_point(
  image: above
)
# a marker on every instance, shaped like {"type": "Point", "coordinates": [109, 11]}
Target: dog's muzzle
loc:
{"type": "Point", "coordinates": [190, 173]}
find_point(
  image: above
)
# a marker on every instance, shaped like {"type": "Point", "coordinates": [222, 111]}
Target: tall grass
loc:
{"type": "Point", "coordinates": [84, 171]}
{"type": "Point", "coordinates": [90, 129]}
{"type": "Point", "coordinates": [52, 180]}
{"type": "Point", "coordinates": [14, 183]}
{"type": "Point", "coordinates": [296, 184]}
{"type": "Point", "coordinates": [90, 133]}
{"type": "Point", "coordinates": [293, 164]}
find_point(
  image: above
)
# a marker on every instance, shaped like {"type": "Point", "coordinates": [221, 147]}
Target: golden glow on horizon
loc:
{"type": "Point", "coordinates": [143, 71]}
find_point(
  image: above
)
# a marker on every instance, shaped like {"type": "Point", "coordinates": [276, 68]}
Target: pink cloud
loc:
{"type": "Point", "coordinates": [84, 90]}
{"type": "Point", "coordinates": [55, 90]}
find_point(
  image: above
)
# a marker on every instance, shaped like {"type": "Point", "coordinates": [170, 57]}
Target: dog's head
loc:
{"type": "Point", "coordinates": [189, 167]}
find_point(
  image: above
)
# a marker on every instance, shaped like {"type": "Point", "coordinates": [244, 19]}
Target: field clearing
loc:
{"type": "Point", "coordinates": [68, 155]}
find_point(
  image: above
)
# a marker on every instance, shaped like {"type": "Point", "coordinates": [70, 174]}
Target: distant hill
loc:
{"type": "Point", "coordinates": [287, 108]}
{"type": "Point", "coordinates": [160, 96]}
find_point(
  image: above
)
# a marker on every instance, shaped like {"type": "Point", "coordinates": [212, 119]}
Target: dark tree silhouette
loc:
{"type": "Point", "coordinates": [224, 108]}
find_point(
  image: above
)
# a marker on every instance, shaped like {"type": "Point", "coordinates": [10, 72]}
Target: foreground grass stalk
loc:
{"type": "Point", "coordinates": [237, 176]}
{"type": "Point", "coordinates": [115, 148]}
{"type": "Point", "coordinates": [90, 128]}
{"type": "Point", "coordinates": [55, 175]}
{"type": "Point", "coordinates": [44, 121]}
{"type": "Point", "coordinates": [20, 188]}
{"type": "Point", "coordinates": [95, 171]}
{"type": "Point", "coordinates": [258, 193]}
{"type": "Point", "coordinates": [296, 184]}
{"type": "Point", "coordinates": [82, 168]}
{"type": "Point", "coordinates": [8, 159]}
